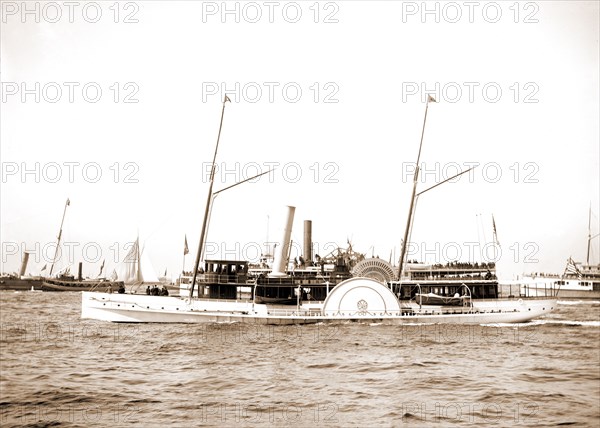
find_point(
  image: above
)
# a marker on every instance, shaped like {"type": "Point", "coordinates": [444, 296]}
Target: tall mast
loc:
{"type": "Point", "coordinates": [267, 242]}
{"type": "Point", "coordinates": [59, 235]}
{"type": "Point", "coordinates": [589, 235]}
{"type": "Point", "coordinates": [404, 242]}
{"type": "Point", "coordinates": [208, 200]}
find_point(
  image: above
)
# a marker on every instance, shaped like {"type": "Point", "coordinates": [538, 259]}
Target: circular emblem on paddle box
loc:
{"type": "Point", "coordinates": [362, 306]}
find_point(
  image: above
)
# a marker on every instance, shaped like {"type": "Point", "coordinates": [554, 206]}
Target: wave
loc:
{"type": "Point", "coordinates": [561, 322]}
{"type": "Point", "coordinates": [543, 322]}
{"type": "Point", "coordinates": [508, 324]}
{"type": "Point", "coordinates": [323, 366]}
{"type": "Point", "coordinates": [567, 322]}
{"type": "Point", "coordinates": [578, 302]}
{"type": "Point", "coordinates": [411, 417]}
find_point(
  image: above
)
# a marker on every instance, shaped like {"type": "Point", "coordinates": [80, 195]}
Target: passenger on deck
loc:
{"type": "Point", "coordinates": [164, 291]}
{"type": "Point", "coordinates": [121, 289]}
{"type": "Point", "coordinates": [148, 290]}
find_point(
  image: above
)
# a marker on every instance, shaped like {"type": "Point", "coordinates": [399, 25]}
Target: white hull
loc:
{"type": "Point", "coordinates": [555, 287]}
{"type": "Point", "coordinates": [156, 309]}
{"type": "Point", "coordinates": [562, 293]}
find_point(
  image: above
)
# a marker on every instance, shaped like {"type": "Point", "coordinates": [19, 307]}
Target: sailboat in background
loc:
{"type": "Point", "coordinates": [132, 266]}
{"type": "Point", "coordinates": [137, 269]}
{"type": "Point", "coordinates": [164, 279]}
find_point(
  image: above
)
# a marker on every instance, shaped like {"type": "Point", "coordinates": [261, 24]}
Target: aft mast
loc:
{"type": "Point", "coordinates": [208, 202]}
{"type": "Point", "coordinates": [587, 260]}
{"type": "Point", "coordinates": [404, 242]}
{"type": "Point", "coordinates": [59, 235]}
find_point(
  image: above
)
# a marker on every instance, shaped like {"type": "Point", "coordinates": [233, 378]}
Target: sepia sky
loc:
{"type": "Point", "coordinates": [116, 106]}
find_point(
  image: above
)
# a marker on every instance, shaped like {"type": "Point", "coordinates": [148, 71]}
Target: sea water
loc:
{"type": "Point", "coordinates": [59, 370]}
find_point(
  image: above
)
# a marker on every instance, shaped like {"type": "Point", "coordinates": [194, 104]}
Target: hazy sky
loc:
{"type": "Point", "coordinates": [117, 108]}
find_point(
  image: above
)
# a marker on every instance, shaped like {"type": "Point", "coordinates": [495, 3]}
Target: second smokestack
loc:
{"type": "Point", "coordinates": [308, 241]}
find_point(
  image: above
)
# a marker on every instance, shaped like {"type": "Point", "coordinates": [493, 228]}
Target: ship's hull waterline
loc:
{"type": "Point", "coordinates": [155, 309]}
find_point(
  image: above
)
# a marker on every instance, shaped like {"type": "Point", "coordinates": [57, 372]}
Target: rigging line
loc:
{"type": "Point", "coordinates": [485, 241]}
{"type": "Point", "coordinates": [478, 235]}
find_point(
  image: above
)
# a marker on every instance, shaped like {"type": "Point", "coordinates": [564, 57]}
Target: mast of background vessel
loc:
{"type": "Point", "coordinates": [59, 235]}
{"type": "Point", "coordinates": [404, 243]}
{"type": "Point", "coordinates": [208, 200]}
{"type": "Point", "coordinates": [589, 235]}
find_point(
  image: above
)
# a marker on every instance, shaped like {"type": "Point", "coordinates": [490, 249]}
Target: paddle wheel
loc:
{"type": "Point", "coordinates": [376, 269]}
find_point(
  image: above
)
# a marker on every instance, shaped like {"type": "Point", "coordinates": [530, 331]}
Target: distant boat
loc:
{"type": "Point", "coordinates": [20, 283]}
{"type": "Point", "coordinates": [69, 283]}
{"type": "Point", "coordinates": [579, 280]}
{"type": "Point", "coordinates": [64, 281]}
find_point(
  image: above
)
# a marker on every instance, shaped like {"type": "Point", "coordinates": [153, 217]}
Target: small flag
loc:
{"type": "Point", "coordinates": [44, 268]}
{"type": "Point", "coordinates": [68, 202]}
{"type": "Point", "coordinates": [430, 99]}
{"type": "Point", "coordinates": [165, 272]}
{"type": "Point", "coordinates": [572, 268]}
{"type": "Point", "coordinates": [226, 99]}
{"type": "Point", "coordinates": [102, 267]}
{"type": "Point", "coordinates": [186, 250]}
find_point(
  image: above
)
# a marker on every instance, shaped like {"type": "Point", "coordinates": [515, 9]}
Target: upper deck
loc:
{"type": "Point", "coordinates": [453, 271]}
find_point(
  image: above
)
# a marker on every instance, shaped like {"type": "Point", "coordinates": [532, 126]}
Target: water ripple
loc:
{"type": "Point", "coordinates": [59, 370]}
